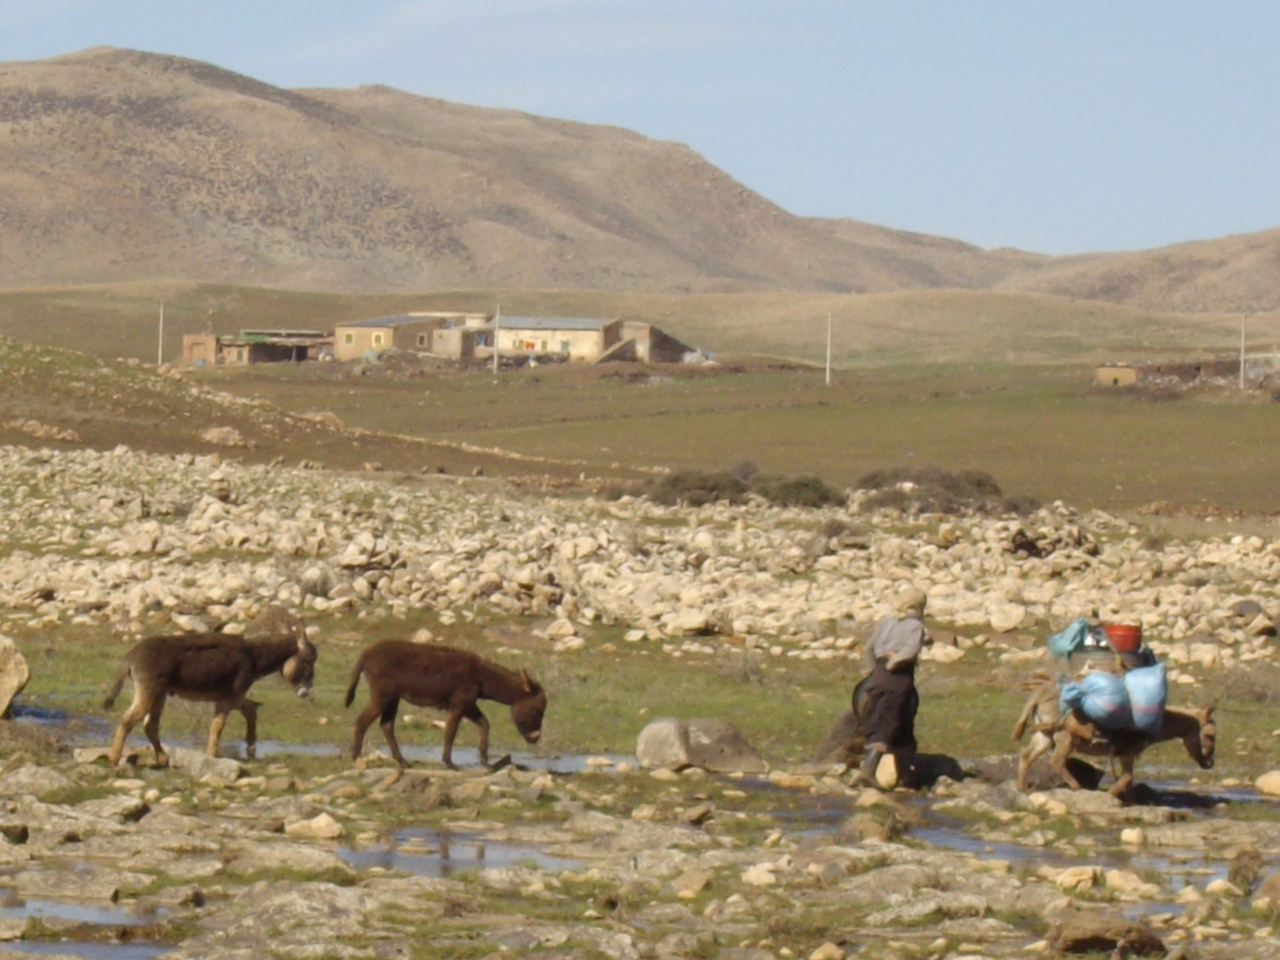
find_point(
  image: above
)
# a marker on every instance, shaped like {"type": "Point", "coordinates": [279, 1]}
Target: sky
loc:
{"type": "Point", "coordinates": [1057, 126]}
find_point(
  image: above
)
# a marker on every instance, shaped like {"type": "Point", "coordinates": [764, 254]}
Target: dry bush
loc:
{"type": "Point", "coordinates": [699, 487]}
{"type": "Point", "coordinates": [933, 490]}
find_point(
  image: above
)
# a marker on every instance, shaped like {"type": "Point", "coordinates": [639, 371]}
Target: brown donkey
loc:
{"type": "Point", "coordinates": [445, 678]}
{"type": "Point", "coordinates": [207, 666]}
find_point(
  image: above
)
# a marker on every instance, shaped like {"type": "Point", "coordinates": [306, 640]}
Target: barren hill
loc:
{"type": "Point", "coordinates": [121, 165]}
{"type": "Point", "coordinates": [117, 165]}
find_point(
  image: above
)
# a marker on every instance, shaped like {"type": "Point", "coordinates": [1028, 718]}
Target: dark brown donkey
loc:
{"type": "Point", "coordinates": [445, 678]}
{"type": "Point", "coordinates": [207, 666]}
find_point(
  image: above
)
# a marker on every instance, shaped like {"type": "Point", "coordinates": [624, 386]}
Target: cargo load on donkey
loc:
{"type": "Point", "coordinates": [1129, 696]}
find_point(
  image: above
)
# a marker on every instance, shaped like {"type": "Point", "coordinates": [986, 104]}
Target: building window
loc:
{"type": "Point", "coordinates": [564, 346]}
{"type": "Point", "coordinates": [348, 338]}
{"type": "Point", "coordinates": [377, 339]}
{"type": "Point", "coordinates": [422, 339]}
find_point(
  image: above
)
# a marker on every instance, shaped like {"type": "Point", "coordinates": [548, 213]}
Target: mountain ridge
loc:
{"type": "Point", "coordinates": [120, 165]}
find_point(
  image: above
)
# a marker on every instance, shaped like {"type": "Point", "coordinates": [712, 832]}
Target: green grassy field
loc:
{"type": "Point", "coordinates": [1040, 431]}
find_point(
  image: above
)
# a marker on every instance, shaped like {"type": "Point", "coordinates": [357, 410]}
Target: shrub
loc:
{"type": "Point", "coordinates": [698, 487]}
{"type": "Point", "coordinates": [932, 490]}
{"type": "Point", "coordinates": [796, 491]}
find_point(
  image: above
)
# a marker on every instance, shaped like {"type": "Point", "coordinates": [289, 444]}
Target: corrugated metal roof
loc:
{"type": "Point", "coordinates": [551, 323]}
{"type": "Point", "coordinates": [388, 321]}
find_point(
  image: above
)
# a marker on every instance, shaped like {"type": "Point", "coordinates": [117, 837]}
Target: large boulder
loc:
{"type": "Point", "coordinates": [14, 674]}
{"type": "Point", "coordinates": [33, 781]}
{"type": "Point", "coordinates": [844, 743]}
{"type": "Point", "coordinates": [708, 743]}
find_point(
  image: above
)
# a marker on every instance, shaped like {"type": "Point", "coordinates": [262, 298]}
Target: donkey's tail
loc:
{"type": "Point", "coordinates": [355, 680]}
{"type": "Point", "coordinates": [116, 687]}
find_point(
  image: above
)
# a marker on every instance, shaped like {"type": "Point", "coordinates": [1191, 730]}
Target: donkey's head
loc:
{"type": "Point", "coordinates": [300, 669]}
{"type": "Point", "coordinates": [1201, 734]}
{"type": "Point", "coordinates": [528, 707]}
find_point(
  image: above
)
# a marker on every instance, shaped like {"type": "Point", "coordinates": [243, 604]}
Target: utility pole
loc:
{"type": "Point", "coordinates": [160, 338]}
{"type": "Point", "coordinates": [497, 323]}
{"type": "Point", "coordinates": [828, 348]}
{"type": "Point", "coordinates": [1242, 353]}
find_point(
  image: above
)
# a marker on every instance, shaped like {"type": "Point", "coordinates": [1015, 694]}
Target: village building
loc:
{"type": "Point", "coordinates": [1179, 371]}
{"type": "Point", "coordinates": [567, 338]}
{"type": "Point", "coordinates": [1115, 375]}
{"type": "Point", "coordinates": [646, 343]}
{"type": "Point", "coordinates": [254, 346]}
{"type": "Point", "coordinates": [410, 332]}
{"type": "Point", "coordinates": [586, 339]}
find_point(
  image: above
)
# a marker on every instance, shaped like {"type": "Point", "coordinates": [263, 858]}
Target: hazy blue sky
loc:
{"type": "Point", "coordinates": [1050, 125]}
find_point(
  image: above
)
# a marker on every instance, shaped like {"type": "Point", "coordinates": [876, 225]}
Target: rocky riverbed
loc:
{"type": "Point", "coordinates": [217, 859]}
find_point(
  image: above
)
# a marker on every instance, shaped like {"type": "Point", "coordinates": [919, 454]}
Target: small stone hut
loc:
{"type": "Point", "coordinates": [254, 346]}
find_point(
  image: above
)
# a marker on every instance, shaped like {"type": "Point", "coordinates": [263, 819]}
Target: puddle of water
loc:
{"type": "Point", "coordinates": [75, 912]}
{"type": "Point", "coordinates": [90, 951]}
{"type": "Point", "coordinates": [77, 726]}
{"type": "Point", "coordinates": [462, 756]}
{"type": "Point", "coordinates": [438, 853]}
{"type": "Point", "coordinates": [949, 837]}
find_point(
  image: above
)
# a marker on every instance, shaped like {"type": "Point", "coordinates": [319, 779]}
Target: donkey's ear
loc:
{"type": "Point", "coordinates": [528, 683]}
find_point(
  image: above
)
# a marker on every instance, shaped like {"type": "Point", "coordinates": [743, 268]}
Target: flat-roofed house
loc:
{"type": "Point", "coordinates": [571, 338]}
{"type": "Point", "coordinates": [254, 346]}
{"type": "Point", "coordinates": [408, 331]}
{"type": "Point", "coordinates": [1115, 375]}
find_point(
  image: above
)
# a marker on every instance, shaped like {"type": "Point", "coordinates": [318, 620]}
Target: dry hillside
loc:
{"type": "Point", "coordinates": [117, 165]}
{"type": "Point", "coordinates": [121, 165]}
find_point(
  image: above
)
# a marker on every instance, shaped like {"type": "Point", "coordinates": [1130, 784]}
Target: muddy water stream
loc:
{"type": "Point", "coordinates": [93, 931]}
{"type": "Point", "coordinates": [441, 853]}
{"type": "Point", "coordinates": [86, 730]}
{"type": "Point", "coordinates": [89, 951]}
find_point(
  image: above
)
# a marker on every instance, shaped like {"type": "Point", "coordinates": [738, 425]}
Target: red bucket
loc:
{"type": "Point", "coordinates": [1124, 637]}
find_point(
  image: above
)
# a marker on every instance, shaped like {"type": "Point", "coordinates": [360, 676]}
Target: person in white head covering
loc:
{"type": "Point", "coordinates": [886, 700]}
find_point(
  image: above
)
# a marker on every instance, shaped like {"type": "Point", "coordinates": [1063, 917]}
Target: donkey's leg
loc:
{"type": "Point", "coordinates": [249, 710]}
{"type": "Point", "coordinates": [220, 711]}
{"type": "Point", "coordinates": [1064, 746]}
{"type": "Point", "coordinates": [370, 713]}
{"type": "Point", "coordinates": [152, 728]}
{"type": "Point", "coordinates": [389, 730]}
{"type": "Point", "coordinates": [1032, 752]}
{"type": "Point", "coordinates": [473, 714]}
{"type": "Point", "coordinates": [1124, 782]}
{"type": "Point", "coordinates": [137, 710]}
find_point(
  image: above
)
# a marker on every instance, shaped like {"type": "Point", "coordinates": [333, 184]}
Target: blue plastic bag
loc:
{"type": "Point", "coordinates": [1063, 644]}
{"type": "Point", "coordinates": [1148, 688]}
{"type": "Point", "coordinates": [1101, 697]}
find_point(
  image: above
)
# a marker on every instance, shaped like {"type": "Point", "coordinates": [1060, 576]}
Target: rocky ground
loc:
{"type": "Point", "coordinates": [293, 857]}
{"type": "Point", "coordinates": [216, 861]}
{"type": "Point", "coordinates": [106, 537]}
